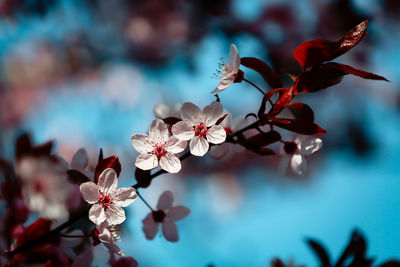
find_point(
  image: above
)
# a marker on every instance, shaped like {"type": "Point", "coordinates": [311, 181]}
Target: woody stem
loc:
{"type": "Point", "coordinates": [144, 201]}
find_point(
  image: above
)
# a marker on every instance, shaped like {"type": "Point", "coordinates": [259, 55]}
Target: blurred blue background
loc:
{"type": "Point", "coordinates": [87, 74]}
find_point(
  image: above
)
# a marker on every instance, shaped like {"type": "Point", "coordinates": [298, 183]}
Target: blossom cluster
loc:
{"type": "Point", "coordinates": [45, 183]}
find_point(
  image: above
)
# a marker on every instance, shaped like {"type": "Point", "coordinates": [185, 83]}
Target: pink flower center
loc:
{"type": "Point", "coordinates": [159, 151]}
{"type": "Point", "coordinates": [105, 201]}
{"type": "Point", "coordinates": [200, 130]}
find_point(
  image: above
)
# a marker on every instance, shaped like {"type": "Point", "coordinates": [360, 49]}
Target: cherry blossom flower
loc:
{"type": "Point", "coordinates": [199, 127]}
{"type": "Point", "coordinates": [229, 72]}
{"type": "Point", "coordinates": [293, 153]}
{"type": "Point", "coordinates": [158, 148]}
{"type": "Point", "coordinates": [103, 234]}
{"type": "Point", "coordinates": [107, 199]}
{"type": "Point", "coordinates": [44, 186]}
{"type": "Point", "coordinates": [166, 215]}
{"type": "Point", "coordinates": [164, 111]}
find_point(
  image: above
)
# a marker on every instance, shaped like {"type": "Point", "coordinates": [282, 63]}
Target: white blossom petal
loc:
{"type": "Point", "coordinates": [114, 215]}
{"type": "Point", "coordinates": [158, 132]}
{"type": "Point", "coordinates": [216, 134]}
{"type": "Point", "coordinates": [123, 197]}
{"type": "Point", "coordinates": [198, 146]}
{"type": "Point", "coordinates": [165, 201]}
{"type": "Point", "coordinates": [90, 192]}
{"type": "Point", "coordinates": [161, 111]}
{"type": "Point", "coordinates": [309, 145]}
{"type": "Point", "coordinates": [183, 130]}
{"type": "Point", "coordinates": [298, 164]}
{"type": "Point", "coordinates": [170, 231]}
{"type": "Point", "coordinates": [224, 83]}
{"type": "Point", "coordinates": [174, 145]}
{"type": "Point", "coordinates": [96, 214]}
{"type": "Point", "coordinates": [80, 160]}
{"type": "Point", "coordinates": [234, 59]}
{"type": "Point", "coordinates": [108, 180]}
{"type": "Point", "coordinates": [146, 161]}
{"type": "Point", "coordinates": [177, 213]}
{"type": "Point", "coordinates": [140, 143]}
{"type": "Point", "coordinates": [190, 112]}
{"type": "Point", "coordinates": [150, 227]}
{"type": "Point", "coordinates": [170, 163]}
{"type": "Point", "coordinates": [108, 241]}
{"type": "Point", "coordinates": [213, 112]}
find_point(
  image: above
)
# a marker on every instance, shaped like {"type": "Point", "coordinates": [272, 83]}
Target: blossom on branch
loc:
{"type": "Point", "coordinates": [158, 148]}
{"type": "Point", "coordinates": [229, 72]}
{"type": "Point", "coordinates": [44, 186]}
{"type": "Point", "coordinates": [200, 127]}
{"type": "Point", "coordinates": [102, 234]}
{"type": "Point", "coordinates": [107, 199]}
{"type": "Point", "coordinates": [166, 215]}
{"type": "Point", "coordinates": [293, 153]}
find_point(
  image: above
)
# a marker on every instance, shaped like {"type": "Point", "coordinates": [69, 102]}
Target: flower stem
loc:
{"type": "Point", "coordinates": [258, 88]}
{"type": "Point", "coordinates": [144, 201]}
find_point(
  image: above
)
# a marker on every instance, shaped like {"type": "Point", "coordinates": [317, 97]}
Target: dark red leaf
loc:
{"type": "Point", "coordinates": [23, 146]}
{"type": "Point", "coordinates": [142, 177]}
{"type": "Point", "coordinates": [320, 252]}
{"type": "Point", "coordinates": [34, 231]}
{"type": "Point", "coordinates": [298, 126]}
{"type": "Point", "coordinates": [317, 51]}
{"type": "Point", "coordinates": [76, 177]}
{"type": "Point", "coordinates": [171, 120]}
{"type": "Point", "coordinates": [283, 101]}
{"type": "Point", "coordinates": [329, 74]}
{"type": "Point", "coordinates": [301, 111]}
{"type": "Point", "coordinates": [350, 70]}
{"type": "Point", "coordinates": [257, 142]}
{"type": "Point", "coordinates": [221, 119]}
{"type": "Point", "coordinates": [262, 139]}
{"type": "Point", "coordinates": [268, 74]}
{"type": "Point", "coordinates": [110, 162]}
{"type": "Point", "coordinates": [318, 78]}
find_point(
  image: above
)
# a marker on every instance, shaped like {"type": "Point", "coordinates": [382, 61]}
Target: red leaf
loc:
{"type": "Point", "coordinates": [257, 142]}
{"type": "Point", "coordinates": [269, 75]}
{"type": "Point", "coordinates": [317, 51]}
{"type": "Point", "coordinates": [262, 139]}
{"type": "Point", "coordinates": [24, 147]}
{"type": "Point", "coordinates": [350, 70]}
{"type": "Point", "coordinates": [34, 231]}
{"type": "Point", "coordinates": [301, 111]}
{"type": "Point", "coordinates": [110, 162]}
{"type": "Point", "coordinates": [299, 126]}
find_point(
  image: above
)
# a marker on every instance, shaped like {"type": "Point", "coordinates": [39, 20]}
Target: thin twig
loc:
{"type": "Point", "coordinates": [144, 201]}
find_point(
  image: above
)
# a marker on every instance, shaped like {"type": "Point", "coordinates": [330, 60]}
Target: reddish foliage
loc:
{"type": "Point", "coordinates": [317, 51]}
{"type": "Point", "coordinates": [269, 75]}
{"type": "Point", "coordinates": [110, 162]}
